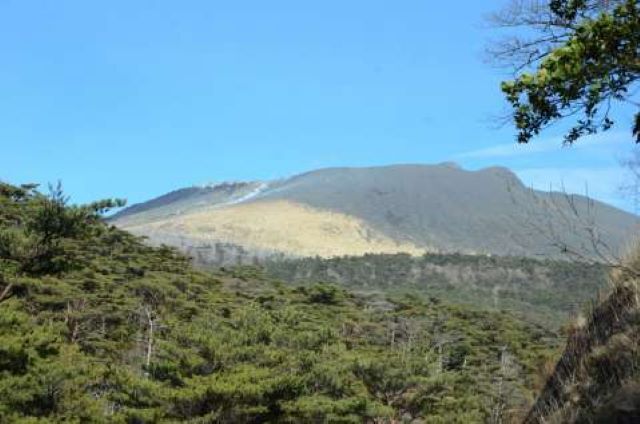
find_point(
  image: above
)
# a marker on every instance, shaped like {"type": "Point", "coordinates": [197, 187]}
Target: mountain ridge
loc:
{"type": "Point", "coordinates": [422, 208]}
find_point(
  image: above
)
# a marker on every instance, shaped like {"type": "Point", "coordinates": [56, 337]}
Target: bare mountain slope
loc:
{"type": "Point", "coordinates": [350, 211]}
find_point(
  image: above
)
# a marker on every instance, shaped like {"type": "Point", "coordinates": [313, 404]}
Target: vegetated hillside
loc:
{"type": "Point", "coordinates": [390, 209]}
{"type": "Point", "coordinates": [97, 327]}
{"type": "Point", "coordinates": [597, 378]}
{"type": "Point", "coordinates": [544, 291]}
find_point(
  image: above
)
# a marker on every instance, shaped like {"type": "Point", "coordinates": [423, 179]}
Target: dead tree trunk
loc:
{"type": "Point", "coordinates": [6, 292]}
{"type": "Point", "coordinates": [150, 328]}
{"type": "Point", "coordinates": [72, 320]}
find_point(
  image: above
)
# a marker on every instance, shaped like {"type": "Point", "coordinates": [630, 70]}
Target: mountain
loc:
{"type": "Point", "coordinates": [353, 211]}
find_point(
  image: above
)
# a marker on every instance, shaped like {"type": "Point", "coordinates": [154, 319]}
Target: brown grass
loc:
{"type": "Point", "coordinates": [600, 348]}
{"type": "Point", "coordinates": [283, 226]}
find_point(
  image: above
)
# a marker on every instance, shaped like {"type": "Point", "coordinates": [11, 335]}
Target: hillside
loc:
{"type": "Point", "coordinates": [543, 291]}
{"type": "Point", "coordinates": [596, 379]}
{"type": "Point", "coordinates": [95, 326]}
{"type": "Point", "coordinates": [353, 211]}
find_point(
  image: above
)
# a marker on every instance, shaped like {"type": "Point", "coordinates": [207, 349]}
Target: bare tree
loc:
{"type": "Point", "coordinates": [150, 314]}
{"type": "Point", "coordinates": [6, 291]}
{"type": "Point", "coordinates": [149, 319]}
{"type": "Point", "coordinates": [631, 188]}
{"type": "Point", "coordinates": [72, 320]}
{"type": "Point", "coordinates": [569, 223]}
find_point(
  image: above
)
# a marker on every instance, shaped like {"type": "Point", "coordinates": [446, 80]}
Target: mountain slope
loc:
{"type": "Point", "coordinates": [597, 378]}
{"type": "Point", "coordinates": [543, 291]}
{"type": "Point", "coordinates": [410, 208]}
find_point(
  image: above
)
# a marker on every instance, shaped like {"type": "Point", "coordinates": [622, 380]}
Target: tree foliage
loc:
{"type": "Point", "coordinates": [545, 291]}
{"type": "Point", "coordinates": [47, 233]}
{"type": "Point", "coordinates": [582, 59]}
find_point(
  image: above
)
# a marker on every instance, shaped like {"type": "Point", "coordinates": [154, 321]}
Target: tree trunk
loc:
{"type": "Point", "coordinates": [150, 323]}
{"type": "Point", "coordinates": [6, 292]}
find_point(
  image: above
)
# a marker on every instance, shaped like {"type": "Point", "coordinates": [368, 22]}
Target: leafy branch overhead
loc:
{"type": "Point", "coordinates": [584, 59]}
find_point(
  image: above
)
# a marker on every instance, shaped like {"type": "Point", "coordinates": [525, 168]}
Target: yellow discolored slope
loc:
{"type": "Point", "coordinates": [282, 226]}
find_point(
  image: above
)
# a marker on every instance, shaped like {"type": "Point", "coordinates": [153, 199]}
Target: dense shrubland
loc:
{"type": "Point", "coordinates": [545, 291]}
{"type": "Point", "coordinates": [95, 326]}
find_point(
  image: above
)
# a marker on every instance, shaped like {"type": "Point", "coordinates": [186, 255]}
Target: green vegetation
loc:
{"type": "Point", "coordinates": [584, 58]}
{"type": "Point", "coordinates": [543, 291]}
{"type": "Point", "coordinates": [97, 327]}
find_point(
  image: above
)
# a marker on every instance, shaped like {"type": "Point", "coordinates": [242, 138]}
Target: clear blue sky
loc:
{"type": "Point", "coordinates": [136, 98]}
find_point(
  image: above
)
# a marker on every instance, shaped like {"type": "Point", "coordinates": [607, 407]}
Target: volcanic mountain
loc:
{"type": "Point", "coordinates": [400, 208]}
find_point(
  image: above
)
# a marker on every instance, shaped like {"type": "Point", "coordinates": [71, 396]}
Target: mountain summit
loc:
{"type": "Point", "coordinates": [353, 211]}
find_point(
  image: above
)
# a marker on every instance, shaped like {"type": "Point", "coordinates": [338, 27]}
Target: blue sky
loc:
{"type": "Point", "coordinates": [133, 99]}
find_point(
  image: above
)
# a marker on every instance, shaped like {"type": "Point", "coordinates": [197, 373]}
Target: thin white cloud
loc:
{"type": "Point", "coordinates": [545, 145]}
